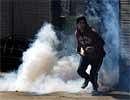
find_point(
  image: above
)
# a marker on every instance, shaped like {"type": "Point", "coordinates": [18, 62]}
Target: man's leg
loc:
{"type": "Point", "coordinates": [94, 72]}
{"type": "Point", "coordinates": [82, 70]}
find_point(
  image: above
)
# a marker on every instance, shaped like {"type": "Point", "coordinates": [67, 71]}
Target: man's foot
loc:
{"type": "Point", "coordinates": [95, 93]}
{"type": "Point", "coordinates": [85, 84]}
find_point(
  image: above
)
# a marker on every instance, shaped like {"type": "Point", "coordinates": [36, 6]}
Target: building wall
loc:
{"type": "Point", "coordinates": [27, 16]}
{"type": "Point", "coordinates": [125, 29]}
{"type": "Point", "coordinates": [124, 78]}
{"type": "Point", "coordinates": [5, 17]}
{"type": "Point", "coordinates": [23, 16]}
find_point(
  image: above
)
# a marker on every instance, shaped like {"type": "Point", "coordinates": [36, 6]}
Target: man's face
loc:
{"type": "Point", "coordinates": [81, 25]}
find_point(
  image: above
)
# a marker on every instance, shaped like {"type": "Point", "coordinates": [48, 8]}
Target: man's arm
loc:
{"type": "Point", "coordinates": [99, 38]}
{"type": "Point", "coordinates": [99, 43]}
{"type": "Point", "coordinates": [78, 43]}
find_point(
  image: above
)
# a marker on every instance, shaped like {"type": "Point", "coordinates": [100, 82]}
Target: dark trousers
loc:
{"type": "Point", "coordinates": [95, 66]}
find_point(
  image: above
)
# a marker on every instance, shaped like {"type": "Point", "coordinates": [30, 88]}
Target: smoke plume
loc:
{"type": "Point", "coordinates": [42, 70]}
{"type": "Point", "coordinates": [105, 13]}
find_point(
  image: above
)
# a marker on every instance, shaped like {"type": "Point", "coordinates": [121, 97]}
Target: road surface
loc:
{"type": "Point", "coordinates": [64, 96]}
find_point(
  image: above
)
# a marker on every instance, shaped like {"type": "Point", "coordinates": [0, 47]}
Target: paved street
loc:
{"type": "Point", "coordinates": [63, 96]}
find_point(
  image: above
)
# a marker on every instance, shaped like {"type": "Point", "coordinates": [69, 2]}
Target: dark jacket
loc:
{"type": "Point", "coordinates": [90, 38]}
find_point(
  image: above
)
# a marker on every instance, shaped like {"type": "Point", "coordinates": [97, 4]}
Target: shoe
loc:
{"type": "Point", "coordinates": [85, 84]}
{"type": "Point", "coordinates": [97, 93]}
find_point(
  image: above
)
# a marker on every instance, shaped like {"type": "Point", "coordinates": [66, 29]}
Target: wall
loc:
{"type": "Point", "coordinates": [124, 45]}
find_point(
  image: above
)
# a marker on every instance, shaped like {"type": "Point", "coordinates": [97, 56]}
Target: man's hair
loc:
{"type": "Point", "coordinates": [82, 18]}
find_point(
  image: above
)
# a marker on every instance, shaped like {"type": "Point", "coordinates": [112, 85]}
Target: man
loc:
{"type": "Point", "coordinates": [90, 47]}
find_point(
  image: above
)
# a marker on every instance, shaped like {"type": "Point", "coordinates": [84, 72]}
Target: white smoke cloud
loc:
{"type": "Point", "coordinates": [111, 36]}
{"type": "Point", "coordinates": [38, 59]}
{"type": "Point", "coordinates": [42, 71]}
{"type": "Point", "coordinates": [7, 81]}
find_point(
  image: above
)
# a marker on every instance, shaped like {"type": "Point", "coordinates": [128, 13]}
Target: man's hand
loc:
{"type": "Point", "coordinates": [88, 50]}
{"type": "Point", "coordinates": [82, 51]}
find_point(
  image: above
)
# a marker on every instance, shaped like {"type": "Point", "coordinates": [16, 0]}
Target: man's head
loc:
{"type": "Point", "coordinates": [81, 23]}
